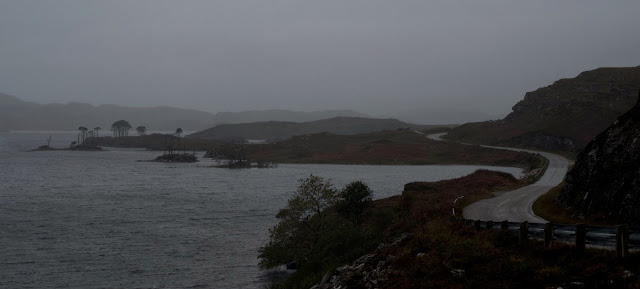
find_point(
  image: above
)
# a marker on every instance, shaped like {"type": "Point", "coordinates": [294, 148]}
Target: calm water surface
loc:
{"type": "Point", "coordinates": [103, 220]}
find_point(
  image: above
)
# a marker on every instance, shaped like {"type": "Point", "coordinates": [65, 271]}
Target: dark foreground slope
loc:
{"type": "Point", "coordinates": [279, 130]}
{"type": "Point", "coordinates": [563, 116]}
{"type": "Point", "coordinates": [412, 243]}
{"type": "Point", "coordinates": [605, 182]}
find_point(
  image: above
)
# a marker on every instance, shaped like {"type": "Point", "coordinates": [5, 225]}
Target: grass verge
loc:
{"type": "Point", "coordinates": [546, 208]}
{"type": "Point", "coordinates": [538, 172]}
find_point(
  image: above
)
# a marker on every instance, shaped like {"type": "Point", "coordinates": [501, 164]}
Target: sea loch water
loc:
{"type": "Point", "coordinates": [103, 220]}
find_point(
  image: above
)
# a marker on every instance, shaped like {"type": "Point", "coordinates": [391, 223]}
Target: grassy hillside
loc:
{"type": "Point", "coordinates": [385, 147]}
{"type": "Point", "coordinates": [564, 116]}
{"type": "Point", "coordinates": [398, 147]}
{"type": "Point", "coordinates": [278, 130]}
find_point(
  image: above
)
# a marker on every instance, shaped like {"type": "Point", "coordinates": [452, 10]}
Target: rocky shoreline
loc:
{"type": "Point", "coordinates": [76, 148]}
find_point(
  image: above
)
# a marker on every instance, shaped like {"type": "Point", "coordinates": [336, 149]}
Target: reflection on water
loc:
{"type": "Point", "coordinates": [101, 219]}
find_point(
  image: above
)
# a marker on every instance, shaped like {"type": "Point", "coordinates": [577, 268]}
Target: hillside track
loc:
{"type": "Point", "coordinates": [516, 205]}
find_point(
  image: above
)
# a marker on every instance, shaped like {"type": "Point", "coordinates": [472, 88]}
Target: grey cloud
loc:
{"type": "Point", "coordinates": [378, 57]}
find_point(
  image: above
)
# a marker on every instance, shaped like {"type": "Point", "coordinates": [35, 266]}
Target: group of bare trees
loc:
{"type": "Point", "coordinates": [86, 133]}
{"type": "Point", "coordinates": [121, 128]}
{"type": "Point", "coordinates": [172, 142]}
{"type": "Point", "coordinates": [142, 130]}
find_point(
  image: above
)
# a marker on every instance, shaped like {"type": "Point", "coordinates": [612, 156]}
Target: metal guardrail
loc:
{"type": "Point", "coordinates": [601, 236]}
{"type": "Point", "coordinates": [564, 233]}
{"type": "Point", "coordinates": [622, 238]}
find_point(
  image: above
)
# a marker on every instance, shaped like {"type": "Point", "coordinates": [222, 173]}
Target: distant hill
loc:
{"type": "Point", "coordinates": [605, 181]}
{"type": "Point", "coordinates": [16, 114]}
{"type": "Point", "coordinates": [10, 101]}
{"type": "Point", "coordinates": [435, 115]}
{"type": "Point", "coordinates": [281, 115]}
{"type": "Point", "coordinates": [563, 116]}
{"type": "Point", "coordinates": [279, 130]}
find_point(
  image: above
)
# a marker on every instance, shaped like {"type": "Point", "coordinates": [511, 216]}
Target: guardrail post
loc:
{"type": "Point", "coordinates": [504, 225]}
{"type": "Point", "coordinates": [524, 231]}
{"type": "Point", "coordinates": [548, 234]}
{"type": "Point", "coordinates": [581, 237]}
{"type": "Point", "coordinates": [489, 225]}
{"type": "Point", "coordinates": [622, 244]}
{"type": "Point", "coordinates": [476, 224]}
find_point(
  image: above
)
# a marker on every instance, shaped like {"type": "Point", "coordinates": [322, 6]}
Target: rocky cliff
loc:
{"type": "Point", "coordinates": [605, 182]}
{"type": "Point", "coordinates": [563, 116]}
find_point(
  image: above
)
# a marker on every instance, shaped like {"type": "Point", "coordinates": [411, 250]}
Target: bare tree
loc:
{"type": "Point", "coordinates": [97, 129]}
{"type": "Point", "coordinates": [120, 128]}
{"type": "Point", "coordinates": [83, 130]}
{"type": "Point", "coordinates": [141, 130]}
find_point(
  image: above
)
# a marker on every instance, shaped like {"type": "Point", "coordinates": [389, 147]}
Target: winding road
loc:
{"type": "Point", "coordinates": [516, 205]}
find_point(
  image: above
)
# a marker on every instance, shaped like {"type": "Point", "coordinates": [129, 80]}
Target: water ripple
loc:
{"type": "Point", "coordinates": [96, 220]}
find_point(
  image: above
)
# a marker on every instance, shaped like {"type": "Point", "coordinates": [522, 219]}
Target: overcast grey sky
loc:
{"type": "Point", "coordinates": [377, 57]}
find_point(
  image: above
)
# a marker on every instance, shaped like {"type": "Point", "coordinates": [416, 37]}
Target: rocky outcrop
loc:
{"type": "Point", "coordinates": [369, 271]}
{"type": "Point", "coordinates": [605, 182]}
{"type": "Point", "coordinates": [542, 141]}
{"type": "Point", "coordinates": [564, 116]}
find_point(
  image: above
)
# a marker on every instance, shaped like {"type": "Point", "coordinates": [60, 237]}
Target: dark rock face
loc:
{"type": "Point", "coordinates": [605, 181]}
{"type": "Point", "coordinates": [542, 141]}
{"type": "Point", "coordinates": [369, 271]}
{"type": "Point", "coordinates": [565, 115]}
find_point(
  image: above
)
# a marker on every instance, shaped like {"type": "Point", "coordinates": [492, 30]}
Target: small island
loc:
{"type": "Point", "coordinates": [84, 146]}
{"type": "Point", "coordinates": [172, 144]}
{"type": "Point", "coordinates": [43, 148]}
{"type": "Point", "coordinates": [177, 158]}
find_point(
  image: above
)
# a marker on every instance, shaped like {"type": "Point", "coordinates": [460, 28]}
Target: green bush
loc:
{"type": "Point", "coordinates": [316, 235]}
{"type": "Point", "coordinates": [354, 199]}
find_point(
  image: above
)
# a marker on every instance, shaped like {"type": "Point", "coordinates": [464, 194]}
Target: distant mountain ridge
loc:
{"type": "Point", "coordinates": [440, 115]}
{"type": "Point", "coordinates": [563, 116]}
{"type": "Point", "coordinates": [16, 114]}
{"type": "Point", "coordinates": [278, 130]}
{"type": "Point", "coordinates": [282, 115]}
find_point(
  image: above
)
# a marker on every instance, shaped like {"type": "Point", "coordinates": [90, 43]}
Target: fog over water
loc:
{"type": "Point", "coordinates": [378, 57]}
{"type": "Point", "coordinates": [101, 219]}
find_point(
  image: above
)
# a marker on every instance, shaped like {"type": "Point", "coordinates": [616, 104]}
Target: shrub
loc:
{"type": "Point", "coordinates": [354, 199]}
